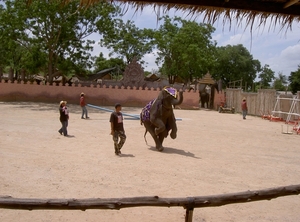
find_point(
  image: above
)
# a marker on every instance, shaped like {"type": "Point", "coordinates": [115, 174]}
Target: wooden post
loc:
{"type": "Point", "coordinates": [189, 215]}
{"type": "Point", "coordinates": [189, 209]}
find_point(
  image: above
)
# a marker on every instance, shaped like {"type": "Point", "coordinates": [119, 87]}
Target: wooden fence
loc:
{"type": "Point", "coordinates": [189, 203]}
{"type": "Point", "coordinates": [262, 102]}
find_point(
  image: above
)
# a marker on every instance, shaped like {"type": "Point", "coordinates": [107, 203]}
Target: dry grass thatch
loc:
{"type": "Point", "coordinates": [280, 13]}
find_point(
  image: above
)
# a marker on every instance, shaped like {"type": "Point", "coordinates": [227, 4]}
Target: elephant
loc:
{"type": "Point", "coordinates": [208, 98]}
{"type": "Point", "coordinates": [158, 117]}
{"type": "Point", "coordinates": [204, 99]}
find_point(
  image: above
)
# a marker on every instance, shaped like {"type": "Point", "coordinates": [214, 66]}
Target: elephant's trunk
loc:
{"type": "Point", "coordinates": [178, 101]}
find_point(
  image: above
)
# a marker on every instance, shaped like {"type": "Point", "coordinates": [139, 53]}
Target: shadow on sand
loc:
{"type": "Point", "coordinates": [126, 155]}
{"type": "Point", "coordinates": [169, 150]}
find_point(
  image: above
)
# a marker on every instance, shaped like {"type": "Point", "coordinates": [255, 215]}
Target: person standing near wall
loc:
{"type": "Point", "coordinates": [244, 108]}
{"type": "Point", "coordinates": [83, 107]}
{"type": "Point", "coordinates": [117, 128]}
{"type": "Point", "coordinates": [64, 118]}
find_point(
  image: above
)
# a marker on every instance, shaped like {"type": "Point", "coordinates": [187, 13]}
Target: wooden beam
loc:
{"type": "Point", "coordinates": [8, 202]}
{"type": "Point", "coordinates": [290, 3]}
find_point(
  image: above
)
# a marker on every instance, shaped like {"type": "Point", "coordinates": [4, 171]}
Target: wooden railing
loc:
{"type": "Point", "coordinates": [189, 203]}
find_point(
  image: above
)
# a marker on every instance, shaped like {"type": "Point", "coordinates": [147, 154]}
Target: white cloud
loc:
{"type": "Point", "coordinates": [287, 61]}
{"type": "Point", "coordinates": [235, 40]}
{"type": "Point", "coordinates": [291, 53]}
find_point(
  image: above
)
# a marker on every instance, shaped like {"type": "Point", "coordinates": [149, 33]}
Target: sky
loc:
{"type": "Point", "coordinates": [278, 49]}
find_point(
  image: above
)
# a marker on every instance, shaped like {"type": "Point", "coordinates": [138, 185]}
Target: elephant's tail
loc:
{"type": "Point", "coordinates": [145, 136]}
{"type": "Point", "coordinates": [141, 118]}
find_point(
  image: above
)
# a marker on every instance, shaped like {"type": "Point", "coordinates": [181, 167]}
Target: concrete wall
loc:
{"type": "Point", "coordinates": [95, 94]}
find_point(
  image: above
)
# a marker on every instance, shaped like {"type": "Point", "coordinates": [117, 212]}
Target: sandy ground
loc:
{"type": "Point", "coordinates": [214, 153]}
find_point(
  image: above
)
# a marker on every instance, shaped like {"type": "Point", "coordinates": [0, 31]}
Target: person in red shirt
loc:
{"type": "Point", "coordinates": [83, 107]}
{"type": "Point", "coordinates": [244, 108]}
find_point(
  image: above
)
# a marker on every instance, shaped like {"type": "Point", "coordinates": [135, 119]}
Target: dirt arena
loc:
{"type": "Point", "coordinates": [213, 154]}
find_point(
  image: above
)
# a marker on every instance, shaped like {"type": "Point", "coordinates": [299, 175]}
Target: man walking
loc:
{"type": "Point", "coordinates": [117, 128]}
{"type": "Point", "coordinates": [244, 108]}
{"type": "Point", "coordinates": [83, 107]}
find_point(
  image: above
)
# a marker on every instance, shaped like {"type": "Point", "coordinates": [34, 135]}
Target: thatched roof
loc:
{"type": "Point", "coordinates": [98, 75]}
{"type": "Point", "coordinates": [207, 79]}
{"type": "Point", "coordinates": [280, 12]}
{"type": "Point", "coordinates": [151, 77]}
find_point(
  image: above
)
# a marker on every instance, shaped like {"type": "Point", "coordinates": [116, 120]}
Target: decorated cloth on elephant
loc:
{"type": "Point", "coordinates": [172, 91]}
{"type": "Point", "coordinates": [145, 114]}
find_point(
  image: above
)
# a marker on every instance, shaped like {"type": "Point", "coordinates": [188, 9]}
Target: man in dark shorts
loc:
{"type": "Point", "coordinates": [117, 128]}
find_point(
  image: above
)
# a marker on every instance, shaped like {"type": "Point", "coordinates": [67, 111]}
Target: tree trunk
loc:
{"type": "Point", "coordinates": [50, 70]}
{"type": "Point", "coordinates": [22, 75]}
{"type": "Point", "coordinates": [1, 73]}
{"type": "Point", "coordinates": [11, 74]}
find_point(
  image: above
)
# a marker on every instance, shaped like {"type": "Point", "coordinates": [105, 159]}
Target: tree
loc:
{"type": "Point", "coordinates": [280, 82]}
{"type": "Point", "coordinates": [128, 41]}
{"type": "Point", "coordinates": [235, 63]}
{"type": "Point", "coordinates": [3, 44]}
{"type": "Point", "coordinates": [12, 36]}
{"type": "Point", "coordinates": [59, 32]}
{"type": "Point", "coordinates": [185, 49]}
{"type": "Point", "coordinates": [266, 76]}
{"type": "Point", "coordinates": [102, 63]}
{"type": "Point", "coordinates": [294, 80]}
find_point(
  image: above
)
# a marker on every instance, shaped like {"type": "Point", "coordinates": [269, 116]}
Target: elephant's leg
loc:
{"type": "Point", "coordinates": [159, 124]}
{"type": "Point", "coordinates": [150, 128]}
{"type": "Point", "coordinates": [203, 99]}
{"type": "Point", "coordinates": [161, 138]}
{"type": "Point", "coordinates": [173, 133]}
{"type": "Point", "coordinates": [171, 124]}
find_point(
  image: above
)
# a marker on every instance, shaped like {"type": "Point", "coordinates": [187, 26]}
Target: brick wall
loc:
{"type": "Point", "coordinates": [95, 94]}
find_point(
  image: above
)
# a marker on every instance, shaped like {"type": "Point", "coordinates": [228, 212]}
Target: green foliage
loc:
{"type": "Point", "coordinates": [266, 77]}
{"type": "Point", "coordinates": [34, 60]}
{"type": "Point", "coordinates": [294, 80]}
{"type": "Point", "coordinates": [102, 63]}
{"type": "Point", "coordinates": [280, 82]}
{"type": "Point", "coordinates": [185, 49]}
{"type": "Point", "coordinates": [54, 33]}
{"type": "Point", "coordinates": [146, 73]}
{"type": "Point", "coordinates": [128, 41]}
{"type": "Point", "coordinates": [12, 35]}
{"type": "Point", "coordinates": [234, 63]}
